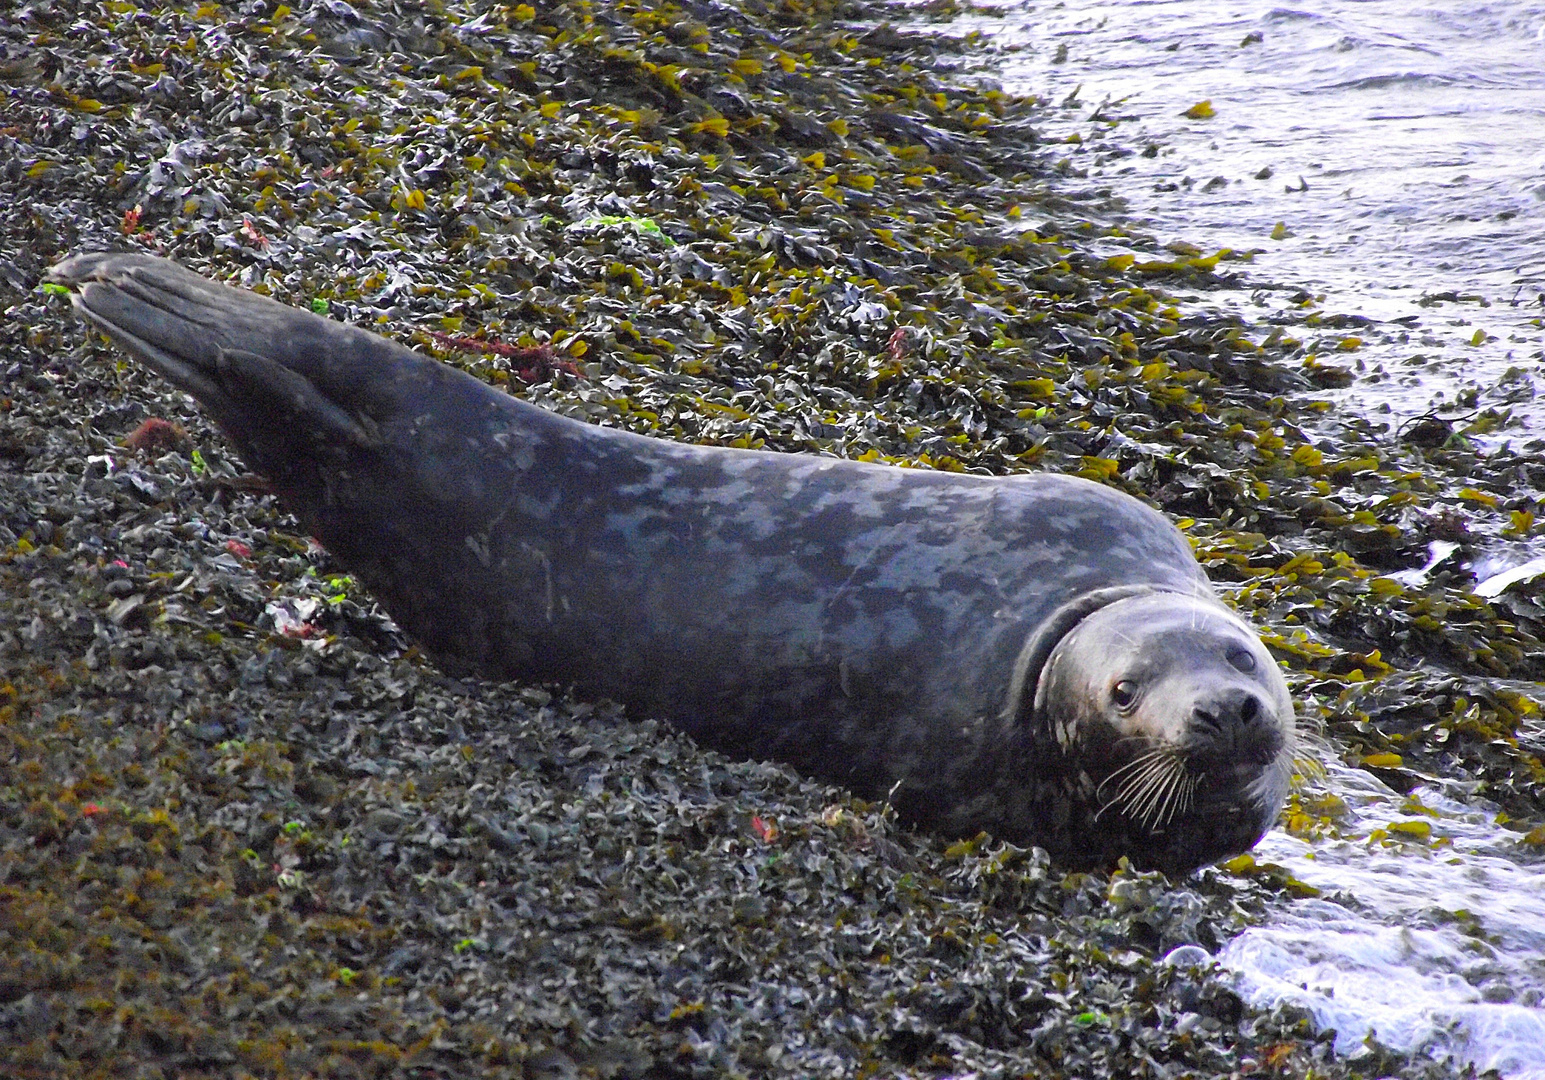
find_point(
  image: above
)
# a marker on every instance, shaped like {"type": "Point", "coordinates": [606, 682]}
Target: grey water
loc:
{"type": "Point", "coordinates": [1387, 156]}
{"type": "Point", "coordinates": [1384, 160]}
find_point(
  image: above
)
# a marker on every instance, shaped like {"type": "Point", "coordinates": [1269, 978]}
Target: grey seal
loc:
{"type": "Point", "coordinates": [1036, 656]}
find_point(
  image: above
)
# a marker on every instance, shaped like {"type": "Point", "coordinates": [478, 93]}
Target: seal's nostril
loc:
{"type": "Point", "coordinates": [1249, 709]}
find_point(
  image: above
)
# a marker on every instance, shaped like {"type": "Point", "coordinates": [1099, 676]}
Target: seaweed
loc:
{"type": "Point", "coordinates": [245, 829]}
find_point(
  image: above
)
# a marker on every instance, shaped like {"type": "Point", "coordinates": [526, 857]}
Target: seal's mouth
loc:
{"type": "Point", "coordinates": [1202, 798]}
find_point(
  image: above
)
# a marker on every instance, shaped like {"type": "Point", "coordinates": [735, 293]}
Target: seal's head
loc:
{"type": "Point", "coordinates": [1176, 730]}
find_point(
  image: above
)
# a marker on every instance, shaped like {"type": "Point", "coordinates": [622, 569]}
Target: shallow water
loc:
{"type": "Point", "coordinates": [1433, 947]}
{"type": "Point", "coordinates": [1389, 158]}
{"type": "Point", "coordinates": [1400, 147]}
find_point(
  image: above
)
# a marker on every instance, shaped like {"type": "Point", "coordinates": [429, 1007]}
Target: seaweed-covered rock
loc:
{"type": "Point", "coordinates": [246, 830]}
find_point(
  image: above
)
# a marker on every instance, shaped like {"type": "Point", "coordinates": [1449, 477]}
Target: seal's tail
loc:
{"type": "Point", "coordinates": [396, 462]}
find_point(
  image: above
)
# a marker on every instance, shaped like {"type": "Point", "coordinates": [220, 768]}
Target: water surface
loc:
{"type": "Point", "coordinates": [1388, 156]}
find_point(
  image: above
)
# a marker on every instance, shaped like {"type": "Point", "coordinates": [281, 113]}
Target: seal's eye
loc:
{"type": "Point", "coordinates": [1244, 661]}
{"type": "Point", "coordinates": [1123, 694]}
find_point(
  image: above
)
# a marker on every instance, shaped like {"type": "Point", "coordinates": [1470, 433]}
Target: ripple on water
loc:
{"type": "Point", "coordinates": [1398, 145]}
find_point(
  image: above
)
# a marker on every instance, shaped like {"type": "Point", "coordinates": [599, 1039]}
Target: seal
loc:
{"type": "Point", "coordinates": [1037, 656]}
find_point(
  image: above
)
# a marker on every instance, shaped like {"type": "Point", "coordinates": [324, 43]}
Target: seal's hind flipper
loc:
{"type": "Point", "coordinates": [143, 305]}
{"type": "Point", "coordinates": [268, 373]}
{"type": "Point", "coordinates": [291, 399]}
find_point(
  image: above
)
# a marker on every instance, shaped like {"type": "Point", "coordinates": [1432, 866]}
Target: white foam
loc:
{"type": "Point", "coordinates": [1434, 950]}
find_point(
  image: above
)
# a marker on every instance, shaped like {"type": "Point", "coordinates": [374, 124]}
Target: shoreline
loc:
{"type": "Point", "coordinates": [229, 850]}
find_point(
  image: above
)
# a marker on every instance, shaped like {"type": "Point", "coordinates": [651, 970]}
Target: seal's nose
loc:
{"type": "Point", "coordinates": [1235, 724]}
{"type": "Point", "coordinates": [1234, 707]}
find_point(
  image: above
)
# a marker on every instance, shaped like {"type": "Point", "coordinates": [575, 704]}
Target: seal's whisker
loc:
{"type": "Point", "coordinates": [1133, 788]}
{"type": "Point", "coordinates": [1143, 807]}
{"type": "Point", "coordinates": [1141, 793]}
{"type": "Point", "coordinates": [1155, 804]}
{"type": "Point", "coordinates": [1158, 795]}
{"type": "Point", "coordinates": [1133, 795]}
{"type": "Point", "coordinates": [1179, 797]}
{"type": "Point", "coordinates": [1174, 781]}
{"type": "Point", "coordinates": [1124, 637]}
{"type": "Point", "coordinates": [1192, 781]}
{"type": "Point", "coordinates": [1146, 792]}
{"type": "Point", "coordinates": [1159, 764]}
{"type": "Point", "coordinates": [1134, 764]}
{"type": "Point", "coordinates": [1143, 774]}
{"type": "Point", "coordinates": [1175, 796]}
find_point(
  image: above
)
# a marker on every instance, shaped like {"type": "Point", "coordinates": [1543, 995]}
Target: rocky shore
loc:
{"type": "Point", "coordinates": [246, 830]}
